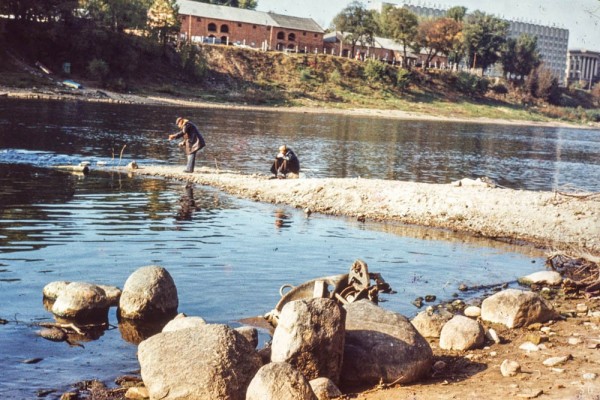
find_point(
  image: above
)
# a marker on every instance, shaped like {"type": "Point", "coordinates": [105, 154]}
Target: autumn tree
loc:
{"type": "Point", "coordinates": [483, 38]}
{"type": "Point", "coordinates": [438, 36]}
{"type": "Point", "coordinates": [357, 24]}
{"type": "Point", "coordinates": [162, 19]}
{"type": "Point", "coordinates": [38, 10]}
{"type": "Point", "coordinates": [402, 27]}
{"type": "Point", "coordinates": [520, 56]}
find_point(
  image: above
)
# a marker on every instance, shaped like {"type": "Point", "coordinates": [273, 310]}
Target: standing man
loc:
{"type": "Point", "coordinates": [192, 141]}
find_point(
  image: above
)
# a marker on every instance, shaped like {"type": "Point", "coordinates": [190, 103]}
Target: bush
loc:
{"type": "Point", "coordinates": [499, 88]}
{"type": "Point", "coordinates": [98, 69]}
{"type": "Point", "coordinates": [471, 84]}
{"type": "Point", "coordinates": [403, 78]}
{"type": "Point", "coordinates": [375, 70]}
{"type": "Point", "coordinates": [335, 77]}
{"type": "Point", "coordinates": [193, 61]}
{"type": "Point", "coordinates": [305, 74]}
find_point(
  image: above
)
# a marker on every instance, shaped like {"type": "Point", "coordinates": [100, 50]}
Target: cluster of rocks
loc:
{"type": "Point", "coordinates": [317, 347]}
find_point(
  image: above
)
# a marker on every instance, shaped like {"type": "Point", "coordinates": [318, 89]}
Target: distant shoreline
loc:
{"type": "Point", "coordinates": [105, 96]}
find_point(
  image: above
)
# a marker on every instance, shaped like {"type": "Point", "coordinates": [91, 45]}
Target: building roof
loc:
{"type": "Point", "coordinates": [378, 42]}
{"type": "Point", "coordinates": [197, 9]}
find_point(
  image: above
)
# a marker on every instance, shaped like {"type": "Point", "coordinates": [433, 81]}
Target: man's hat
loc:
{"type": "Point", "coordinates": [178, 121]}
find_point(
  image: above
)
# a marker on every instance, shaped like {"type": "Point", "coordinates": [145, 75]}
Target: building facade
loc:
{"type": "Point", "coordinates": [552, 42]}
{"type": "Point", "coordinates": [583, 67]}
{"type": "Point", "coordinates": [208, 23]}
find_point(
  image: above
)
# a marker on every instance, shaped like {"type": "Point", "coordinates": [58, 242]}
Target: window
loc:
{"type": "Point", "coordinates": [239, 25]}
{"type": "Point", "coordinates": [212, 27]}
{"type": "Point", "coordinates": [224, 28]}
{"type": "Point", "coordinates": [253, 26]}
{"type": "Point", "coordinates": [280, 35]}
{"type": "Point", "coordinates": [303, 33]}
{"type": "Point", "coordinates": [198, 19]}
{"type": "Point", "coordinates": [291, 37]}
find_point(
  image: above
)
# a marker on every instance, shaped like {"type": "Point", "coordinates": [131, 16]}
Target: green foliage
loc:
{"type": "Point", "coordinates": [357, 23]}
{"type": "Point", "coordinates": [162, 19]}
{"type": "Point", "coordinates": [471, 84]}
{"type": "Point", "coordinates": [306, 75]}
{"type": "Point", "coordinates": [117, 15]}
{"type": "Point", "coordinates": [193, 61]}
{"type": "Point", "coordinates": [457, 13]}
{"type": "Point", "coordinates": [546, 87]}
{"type": "Point", "coordinates": [403, 78]}
{"type": "Point", "coordinates": [98, 69]}
{"type": "Point", "coordinates": [483, 39]}
{"type": "Point", "coordinates": [335, 77]}
{"type": "Point", "coordinates": [519, 57]}
{"type": "Point", "coordinates": [499, 88]}
{"type": "Point", "coordinates": [375, 70]}
{"type": "Point", "coordinates": [401, 25]}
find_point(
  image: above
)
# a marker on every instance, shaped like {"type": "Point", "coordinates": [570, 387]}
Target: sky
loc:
{"type": "Point", "coordinates": [580, 17]}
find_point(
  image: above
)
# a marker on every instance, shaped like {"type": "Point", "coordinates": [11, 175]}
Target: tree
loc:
{"type": "Point", "coordinates": [247, 4]}
{"type": "Point", "coordinates": [162, 19]}
{"type": "Point", "coordinates": [402, 26]}
{"type": "Point", "coordinates": [520, 56]}
{"type": "Point", "coordinates": [117, 15]}
{"type": "Point", "coordinates": [438, 36]}
{"type": "Point", "coordinates": [39, 10]}
{"type": "Point", "coordinates": [358, 23]}
{"type": "Point", "coordinates": [483, 38]}
{"type": "Point", "coordinates": [457, 13]}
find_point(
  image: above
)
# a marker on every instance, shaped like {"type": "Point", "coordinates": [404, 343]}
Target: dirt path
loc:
{"type": "Point", "coordinates": [554, 221]}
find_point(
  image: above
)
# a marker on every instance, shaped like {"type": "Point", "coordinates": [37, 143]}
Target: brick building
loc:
{"type": "Point", "coordinates": [208, 23]}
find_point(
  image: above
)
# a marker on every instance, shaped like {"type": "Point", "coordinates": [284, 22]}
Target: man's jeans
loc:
{"type": "Point", "coordinates": [191, 162]}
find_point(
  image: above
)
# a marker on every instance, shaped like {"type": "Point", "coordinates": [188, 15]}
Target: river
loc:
{"type": "Point", "coordinates": [228, 256]}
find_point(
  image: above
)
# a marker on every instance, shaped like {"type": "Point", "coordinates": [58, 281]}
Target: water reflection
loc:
{"type": "Point", "coordinates": [187, 204]}
{"type": "Point", "coordinates": [282, 220]}
{"type": "Point", "coordinates": [536, 158]}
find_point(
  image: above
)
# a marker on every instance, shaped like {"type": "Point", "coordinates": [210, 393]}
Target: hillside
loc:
{"type": "Point", "coordinates": [236, 75]}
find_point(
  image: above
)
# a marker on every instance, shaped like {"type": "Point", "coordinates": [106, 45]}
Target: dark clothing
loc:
{"type": "Point", "coordinates": [286, 163]}
{"type": "Point", "coordinates": [192, 139]}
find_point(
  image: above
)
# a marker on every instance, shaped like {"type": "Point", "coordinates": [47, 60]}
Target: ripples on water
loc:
{"type": "Point", "coordinates": [228, 256]}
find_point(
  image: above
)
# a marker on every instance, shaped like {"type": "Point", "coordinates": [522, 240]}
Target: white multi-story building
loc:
{"type": "Point", "coordinates": [552, 41]}
{"type": "Point", "coordinates": [584, 67]}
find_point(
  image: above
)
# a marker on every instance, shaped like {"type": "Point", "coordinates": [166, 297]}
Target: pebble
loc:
{"type": "Point", "coordinates": [554, 361]}
{"type": "Point", "coordinates": [32, 360]}
{"type": "Point", "coordinates": [582, 308]}
{"type": "Point", "coordinates": [558, 370]}
{"type": "Point", "coordinates": [493, 336]}
{"type": "Point", "coordinates": [510, 368]}
{"type": "Point", "coordinates": [54, 334]}
{"type": "Point", "coordinates": [472, 311]}
{"type": "Point", "coordinates": [574, 341]}
{"type": "Point", "coordinates": [528, 346]}
{"type": "Point", "coordinates": [590, 376]}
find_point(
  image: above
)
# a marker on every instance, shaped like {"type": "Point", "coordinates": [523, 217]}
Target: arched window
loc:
{"type": "Point", "coordinates": [212, 27]}
{"type": "Point", "coordinates": [292, 37]}
{"type": "Point", "coordinates": [280, 35]}
{"type": "Point", "coordinates": [224, 28]}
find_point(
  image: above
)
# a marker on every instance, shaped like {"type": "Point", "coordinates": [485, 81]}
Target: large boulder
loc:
{"type": "Point", "coordinates": [462, 333]}
{"type": "Point", "coordinates": [182, 321]}
{"type": "Point", "coordinates": [310, 336]}
{"type": "Point", "coordinates": [53, 289]}
{"type": "Point", "coordinates": [325, 389]}
{"type": "Point", "coordinates": [81, 301]}
{"type": "Point", "coordinates": [515, 308]}
{"type": "Point", "coordinates": [149, 294]}
{"type": "Point", "coordinates": [382, 345]}
{"type": "Point", "coordinates": [209, 361]}
{"type": "Point", "coordinates": [277, 381]}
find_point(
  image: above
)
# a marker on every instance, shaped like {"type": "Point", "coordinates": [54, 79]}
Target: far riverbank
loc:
{"type": "Point", "coordinates": [105, 96]}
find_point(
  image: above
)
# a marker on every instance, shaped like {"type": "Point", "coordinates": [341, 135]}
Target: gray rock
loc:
{"type": "Point", "coordinates": [182, 321]}
{"type": "Point", "coordinates": [250, 333]}
{"type": "Point", "coordinates": [325, 389]}
{"type": "Point", "coordinates": [206, 362]}
{"type": "Point", "coordinates": [551, 278]}
{"type": "Point", "coordinates": [472, 311]}
{"type": "Point", "coordinates": [429, 324]}
{"type": "Point", "coordinates": [149, 294]}
{"type": "Point", "coordinates": [515, 308]}
{"type": "Point", "coordinates": [510, 368]}
{"type": "Point", "coordinates": [113, 294]}
{"type": "Point", "coordinates": [461, 333]}
{"type": "Point", "coordinates": [310, 336]}
{"type": "Point", "coordinates": [279, 380]}
{"type": "Point", "coordinates": [382, 345]}
{"type": "Point", "coordinates": [53, 289]}
{"type": "Point", "coordinates": [554, 361]}
{"type": "Point", "coordinates": [80, 300]}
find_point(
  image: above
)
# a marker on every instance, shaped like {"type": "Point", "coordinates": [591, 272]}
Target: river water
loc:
{"type": "Point", "coordinates": [228, 256]}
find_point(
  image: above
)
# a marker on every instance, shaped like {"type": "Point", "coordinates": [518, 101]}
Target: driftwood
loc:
{"type": "Point", "coordinates": [581, 276]}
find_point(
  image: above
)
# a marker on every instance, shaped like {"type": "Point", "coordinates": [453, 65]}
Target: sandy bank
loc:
{"type": "Point", "coordinates": [554, 221]}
